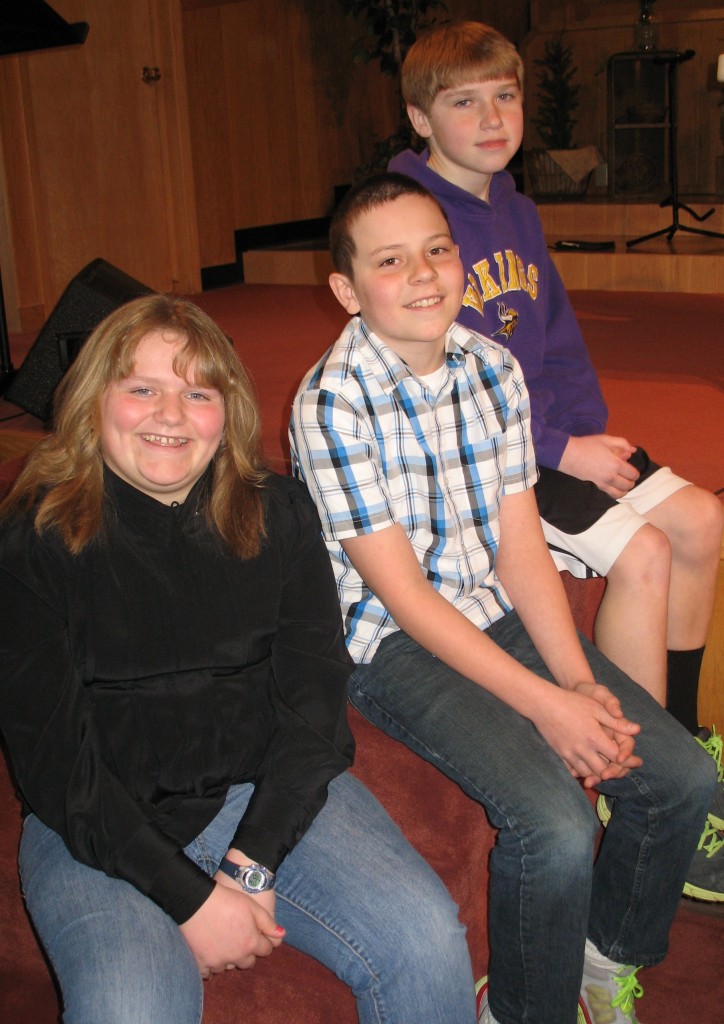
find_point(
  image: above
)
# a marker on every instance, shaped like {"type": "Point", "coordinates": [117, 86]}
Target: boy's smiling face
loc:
{"type": "Point", "coordinates": [472, 131]}
{"type": "Point", "coordinates": [408, 278]}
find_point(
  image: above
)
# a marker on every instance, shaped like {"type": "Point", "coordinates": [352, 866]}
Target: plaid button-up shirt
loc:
{"type": "Point", "coordinates": [376, 446]}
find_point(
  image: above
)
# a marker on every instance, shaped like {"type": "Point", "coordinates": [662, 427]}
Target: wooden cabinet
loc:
{"type": "Point", "coordinates": [596, 31]}
{"type": "Point", "coordinates": [639, 123]}
{"type": "Point", "coordinates": [95, 158]}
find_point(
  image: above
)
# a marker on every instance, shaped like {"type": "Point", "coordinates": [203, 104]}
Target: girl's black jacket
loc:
{"type": "Point", "coordinates": [142, 677]}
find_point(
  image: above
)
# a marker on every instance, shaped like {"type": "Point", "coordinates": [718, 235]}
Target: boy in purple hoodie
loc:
{"type": "Point", "coordinates": [606, 507]}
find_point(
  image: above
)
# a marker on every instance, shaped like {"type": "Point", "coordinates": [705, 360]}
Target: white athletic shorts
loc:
{"type": "Point", "coordinates": [587, 530]}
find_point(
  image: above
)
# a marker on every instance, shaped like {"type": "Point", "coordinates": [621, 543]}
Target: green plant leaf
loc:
{"type": "Point", "coordinates": [557, 94]}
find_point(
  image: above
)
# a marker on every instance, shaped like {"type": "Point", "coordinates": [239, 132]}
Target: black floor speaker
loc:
{"type": "Point", "coordinates": [94, 292]}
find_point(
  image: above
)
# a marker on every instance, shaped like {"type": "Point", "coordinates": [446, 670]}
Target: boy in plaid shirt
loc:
{"type": "Point", "coordinates": [413, 436]}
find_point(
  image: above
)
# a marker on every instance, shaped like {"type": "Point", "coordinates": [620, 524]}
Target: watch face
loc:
{"type": "Point", "coordinates": [255, 879]}
{"type": "Point", "coordinates": [251, 877]}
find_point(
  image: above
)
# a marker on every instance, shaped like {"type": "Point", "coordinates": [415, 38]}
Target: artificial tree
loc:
{"type": "Point", "coordinates": [558, 100]}
{"type": "Point", "coordinates": [557, 94]}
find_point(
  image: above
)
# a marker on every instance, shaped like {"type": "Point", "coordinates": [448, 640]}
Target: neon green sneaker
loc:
{"type": "Point", "coordinates": [484, 1015]}
{"type": "Point", "coordinates": [603, 809]}
{"type": "Point", "coordinates": [713, 746]}
{"type": "Point", "coordinates": [609, 997]}
{"type": "Point", "coordinates": [705, 877]}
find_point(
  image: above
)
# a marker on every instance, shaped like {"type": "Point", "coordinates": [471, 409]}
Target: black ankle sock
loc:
{"type": "Point", "coordinates": [682, 686]}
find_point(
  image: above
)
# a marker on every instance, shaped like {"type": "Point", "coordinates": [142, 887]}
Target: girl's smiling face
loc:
{"type": "Point", "coordinates": [160, 431]}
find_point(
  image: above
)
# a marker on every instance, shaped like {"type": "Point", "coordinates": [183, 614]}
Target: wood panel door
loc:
{"type": "Point", "coordinates": [96, 157]}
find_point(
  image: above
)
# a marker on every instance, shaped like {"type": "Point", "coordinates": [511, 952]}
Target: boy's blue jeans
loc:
{"type": "Point", "coordinates": [546, 893]}
{"type": "Point", "coordinates": [353, 894]}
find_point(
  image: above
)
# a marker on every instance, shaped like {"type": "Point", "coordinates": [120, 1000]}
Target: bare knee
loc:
{"type": "Point", "coordinates": [702, 527]}
{"type": "Point", "coordinates": [692, 519]}
{"type": "Point", "coordinates": [645, 562]}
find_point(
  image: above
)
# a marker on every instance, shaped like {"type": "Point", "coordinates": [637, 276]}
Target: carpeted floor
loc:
{"type": "Point", "coordinates": [660, 359]}
{"type": "Point", "coordinates": [654, 333]}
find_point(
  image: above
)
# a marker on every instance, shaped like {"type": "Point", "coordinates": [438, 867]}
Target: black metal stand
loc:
{"type": "Point", "coordinates": [673, 61]}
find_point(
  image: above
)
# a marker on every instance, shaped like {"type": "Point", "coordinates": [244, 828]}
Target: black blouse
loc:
{"type": "Point", "coordinates": [143, 677]}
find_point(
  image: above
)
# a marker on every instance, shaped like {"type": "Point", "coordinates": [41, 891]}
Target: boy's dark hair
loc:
{"type": "Point", "coordinates": [366, 195]}
{"type": "Point", "coordinates": [450, 55]}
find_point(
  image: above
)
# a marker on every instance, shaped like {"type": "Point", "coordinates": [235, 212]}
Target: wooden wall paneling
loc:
{"type": "Point", "coordinates": [280, 113]}
{"type": "Point", "coordinates": [328, 83]}
{"type": "Point", "coordinates": [512, 19]}
{"type": "Point", "coordinates": [98, 169]}
{"type": "Point", "coordinates": [175, 139]}
{"type": "Point", "coordinates": [61, 90]}
{"type": "Point", "coordinates": [354, 104]}
{"type": "Point", "coordinates": [209, 131]}
{"type": "Point", "coordinates": [20, 246]}
{"type": "Point", "coordinates": [283, 108]}
{"type": "Point", "coordinates": [619, 220]}
{"type": "Point", "coordinates": [698, 121]}
{"type": "Point", "coordinates": [261, 108]}
{"type": "Point", "coordinates": [546, 13]}
{"type": "Point", "coordinates": [285, 118]}
{"type": "Point", "coordinates": [130, 219]}
{"type": "Point", "coordinates": [7, 265]}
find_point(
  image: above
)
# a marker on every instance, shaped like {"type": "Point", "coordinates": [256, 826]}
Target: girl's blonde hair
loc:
{"type": "Point", "coordinates": [62, 480]}
{"type": "Point", "coordinates": [450, 55]}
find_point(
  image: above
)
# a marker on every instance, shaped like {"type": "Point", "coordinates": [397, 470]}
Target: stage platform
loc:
{"type": "Point", "coordinates": [688, 263]}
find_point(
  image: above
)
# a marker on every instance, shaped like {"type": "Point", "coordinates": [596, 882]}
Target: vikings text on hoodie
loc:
{"type": "Point", "coordinates": [514, 295]}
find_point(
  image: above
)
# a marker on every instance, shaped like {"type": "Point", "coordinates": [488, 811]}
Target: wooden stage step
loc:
{"type": "Point", "coordinates": [690, 262]}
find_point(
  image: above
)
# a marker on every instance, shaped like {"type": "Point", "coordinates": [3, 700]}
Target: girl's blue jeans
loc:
{"type": "Point", "coordinates": [548, 890]}
{"type": "Point", "coordinates": [353, 894]}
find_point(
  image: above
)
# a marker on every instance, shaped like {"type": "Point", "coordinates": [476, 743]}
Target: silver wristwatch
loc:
{"type": "Point", "coordinates": [251, 878]}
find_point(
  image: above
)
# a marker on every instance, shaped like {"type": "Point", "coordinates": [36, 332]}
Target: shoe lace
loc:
{"type": "Point", "coordinates": [711, 839]}
{"type": "Point", "coordinates": [713, 746]}
{"type": "Point", "coordinates": [629, 989]}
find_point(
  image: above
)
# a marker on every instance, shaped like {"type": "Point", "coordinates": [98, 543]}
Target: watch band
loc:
{"type": "Point", "coordinates": [251, 878]}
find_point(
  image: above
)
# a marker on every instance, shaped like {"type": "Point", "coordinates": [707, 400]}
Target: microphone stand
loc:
{"type": "Point", "coordinates": [673, 62]}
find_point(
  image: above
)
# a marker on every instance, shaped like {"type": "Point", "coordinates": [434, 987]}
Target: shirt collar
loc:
{"type": "Point", "coordinates": [391, 370]}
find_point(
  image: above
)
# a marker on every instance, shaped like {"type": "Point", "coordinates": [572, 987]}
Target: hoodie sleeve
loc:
{"type": "Point", "coordinates": [566, 397]}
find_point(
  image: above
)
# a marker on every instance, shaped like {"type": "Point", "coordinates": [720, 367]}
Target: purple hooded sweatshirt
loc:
{"type": "Point", "coordinates": [515, 295]}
